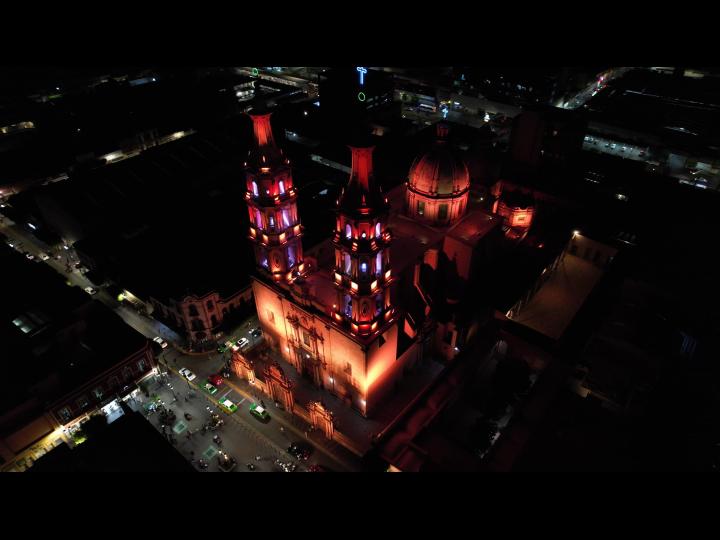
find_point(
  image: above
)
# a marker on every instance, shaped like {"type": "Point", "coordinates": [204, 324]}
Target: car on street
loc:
{"type": "Point", "coordinates": [185, 372]}
{"type": "Point", "coordinates": [160, 341]}
{"type": "Point", "coordinates": [29, 255]}
{"type": "Point", "coordinates": [300, 450]}
{"type": "Point", "coordinates": [215, 380]}
{"type": "Point", "coordinates": [90, 290]}
{"type": "Point", "coordinates": [210, 389]}
{"type": "Point", "coordinates": [256, 333]}
{"type": "Point", "coordinates": [227, 406]}
{"type": "Point", "coordinates": [44, 256]}
{"type": "Point", "coordinates": [259, 412]}
{"type": "Point", "coordinates": [243, 342]}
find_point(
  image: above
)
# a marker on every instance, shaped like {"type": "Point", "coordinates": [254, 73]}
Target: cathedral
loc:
{"type": "Point", "coordinates": [358, 310]}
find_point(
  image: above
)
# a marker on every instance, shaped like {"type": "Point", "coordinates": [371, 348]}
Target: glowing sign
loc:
{"type": "Point", "coordinates": [361, 96]}
{"type": "Point", "coordinates": [362, 71]}
{"type": "Point", "coordinates": [255, 72]}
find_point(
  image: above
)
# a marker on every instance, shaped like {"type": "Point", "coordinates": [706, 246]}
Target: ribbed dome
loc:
{"type": "Point", "coordinates": [439, 172]}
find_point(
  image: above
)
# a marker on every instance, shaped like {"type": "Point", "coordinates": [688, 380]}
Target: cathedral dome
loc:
{"type": "Point", "coordinates": [439, 173]}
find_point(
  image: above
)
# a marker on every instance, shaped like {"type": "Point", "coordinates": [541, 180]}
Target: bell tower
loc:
{"type": "Point", "coordinates": [275, 228]}
{"type": "Point", "coordinates": [362, 250]}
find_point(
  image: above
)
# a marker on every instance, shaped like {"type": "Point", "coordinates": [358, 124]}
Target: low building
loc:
{"type": "Point", "coordinates": [71, 357]}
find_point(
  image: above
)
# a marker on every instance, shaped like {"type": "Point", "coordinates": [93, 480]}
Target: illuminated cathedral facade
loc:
{"type": "Point", "coordinates": [355, 312]}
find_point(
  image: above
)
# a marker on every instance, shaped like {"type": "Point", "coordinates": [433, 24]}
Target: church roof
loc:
{"type": "Point", "coordinates": [439, 172]}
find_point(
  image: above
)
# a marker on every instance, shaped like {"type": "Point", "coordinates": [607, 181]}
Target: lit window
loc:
{"type": "Point", "coordinates": [282, 187]}
{"type": "Point", "coordinates": [65, 414]}
{"type": "Point", "coordinates": [363, 268]}
{"type": "Point", "coordinates": [421, 208]}
{"type": "Point", "coordinates": [255, 188]}
{"type": "Point", "coordinates": [377, 230]}
{"type": "Point", "coordinates": [291, 255]}
{"type": "Point", "coordinates": [378, 263]}
{"type": "Point", "coordinates": [348, 231]}
{"type": "Point", "coordinates": [272, 221]}
{"type": "Point", "coordinates": [286, 218]}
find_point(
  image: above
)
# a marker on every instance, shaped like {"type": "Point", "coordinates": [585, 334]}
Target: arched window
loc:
{"type": "Point", "coordinates": [363, 268]}
{"type": "Point", "coordinates": [272, 221]}
{"type": "Point", "coordinates": [281, 185]}
{"type": "Point", "coordinates": [377, 229]}
{"type": "Point", "coordinates": [378, 263]}
{"type": "Point", "coordinates": [348, 263]}
{"type": "Point", "coordinates": [286, 218]}
{"type": "Point", "coordinates": [254, 188]}
{"type": "Point", "coordinates": [291, 255]}
{"type": "Point", "coordinates": [258, 218]}
{"type": "Point", "coordinates": [348, 231]}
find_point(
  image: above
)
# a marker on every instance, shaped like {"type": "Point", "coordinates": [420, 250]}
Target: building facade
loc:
{"type": "Point", "coordinates": [356, 313]}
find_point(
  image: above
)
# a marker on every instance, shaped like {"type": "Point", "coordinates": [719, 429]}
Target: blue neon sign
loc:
{"type": "Point", "coordinates": [362, 71]}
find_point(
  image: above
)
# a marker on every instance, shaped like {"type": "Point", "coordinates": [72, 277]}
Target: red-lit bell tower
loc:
{"type": "Point", "coordinates": [362, 250]}
{"type": "Point", "coordinates": [271, 197]}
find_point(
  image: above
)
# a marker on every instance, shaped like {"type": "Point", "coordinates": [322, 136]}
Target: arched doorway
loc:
{"type": "Point", "coordinates": [279, 386]}
{"type": "Point", "coordinates": [322, 418]}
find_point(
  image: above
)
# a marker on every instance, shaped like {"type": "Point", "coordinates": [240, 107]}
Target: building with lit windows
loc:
{"type": "Point", "coordinates": [360, 309]}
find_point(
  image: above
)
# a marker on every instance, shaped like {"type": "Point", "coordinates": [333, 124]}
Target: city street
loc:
{"type": "Point", "coordinates": [250, 437]}
{"type": "Point", "coordinates": [243, 437]}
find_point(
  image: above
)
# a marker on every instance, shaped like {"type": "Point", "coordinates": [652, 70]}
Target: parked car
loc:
{"type": "Point", "coordinates": [210, 389]}
{"type": "Point", "coordinates": [44, 256]}
{"type": "Point", "coordinates": [243, 342]}
{"type": "Point", "coordinates": [29, 255]}
{"type": "Point", "coordinates": [160, 341]}
{"type": "Point", "coordinates": [189, 375]}
{"type": "Point", "coordinates": [300, 450]}
{"type": "Point", "coordinates": [257, 332]}
{"type": "Point", "coordinates": [215, 380]}
{"type": "Point", "coordinates": [90, 290]}
{"type": "Point", "coordinates": [259, 412]}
